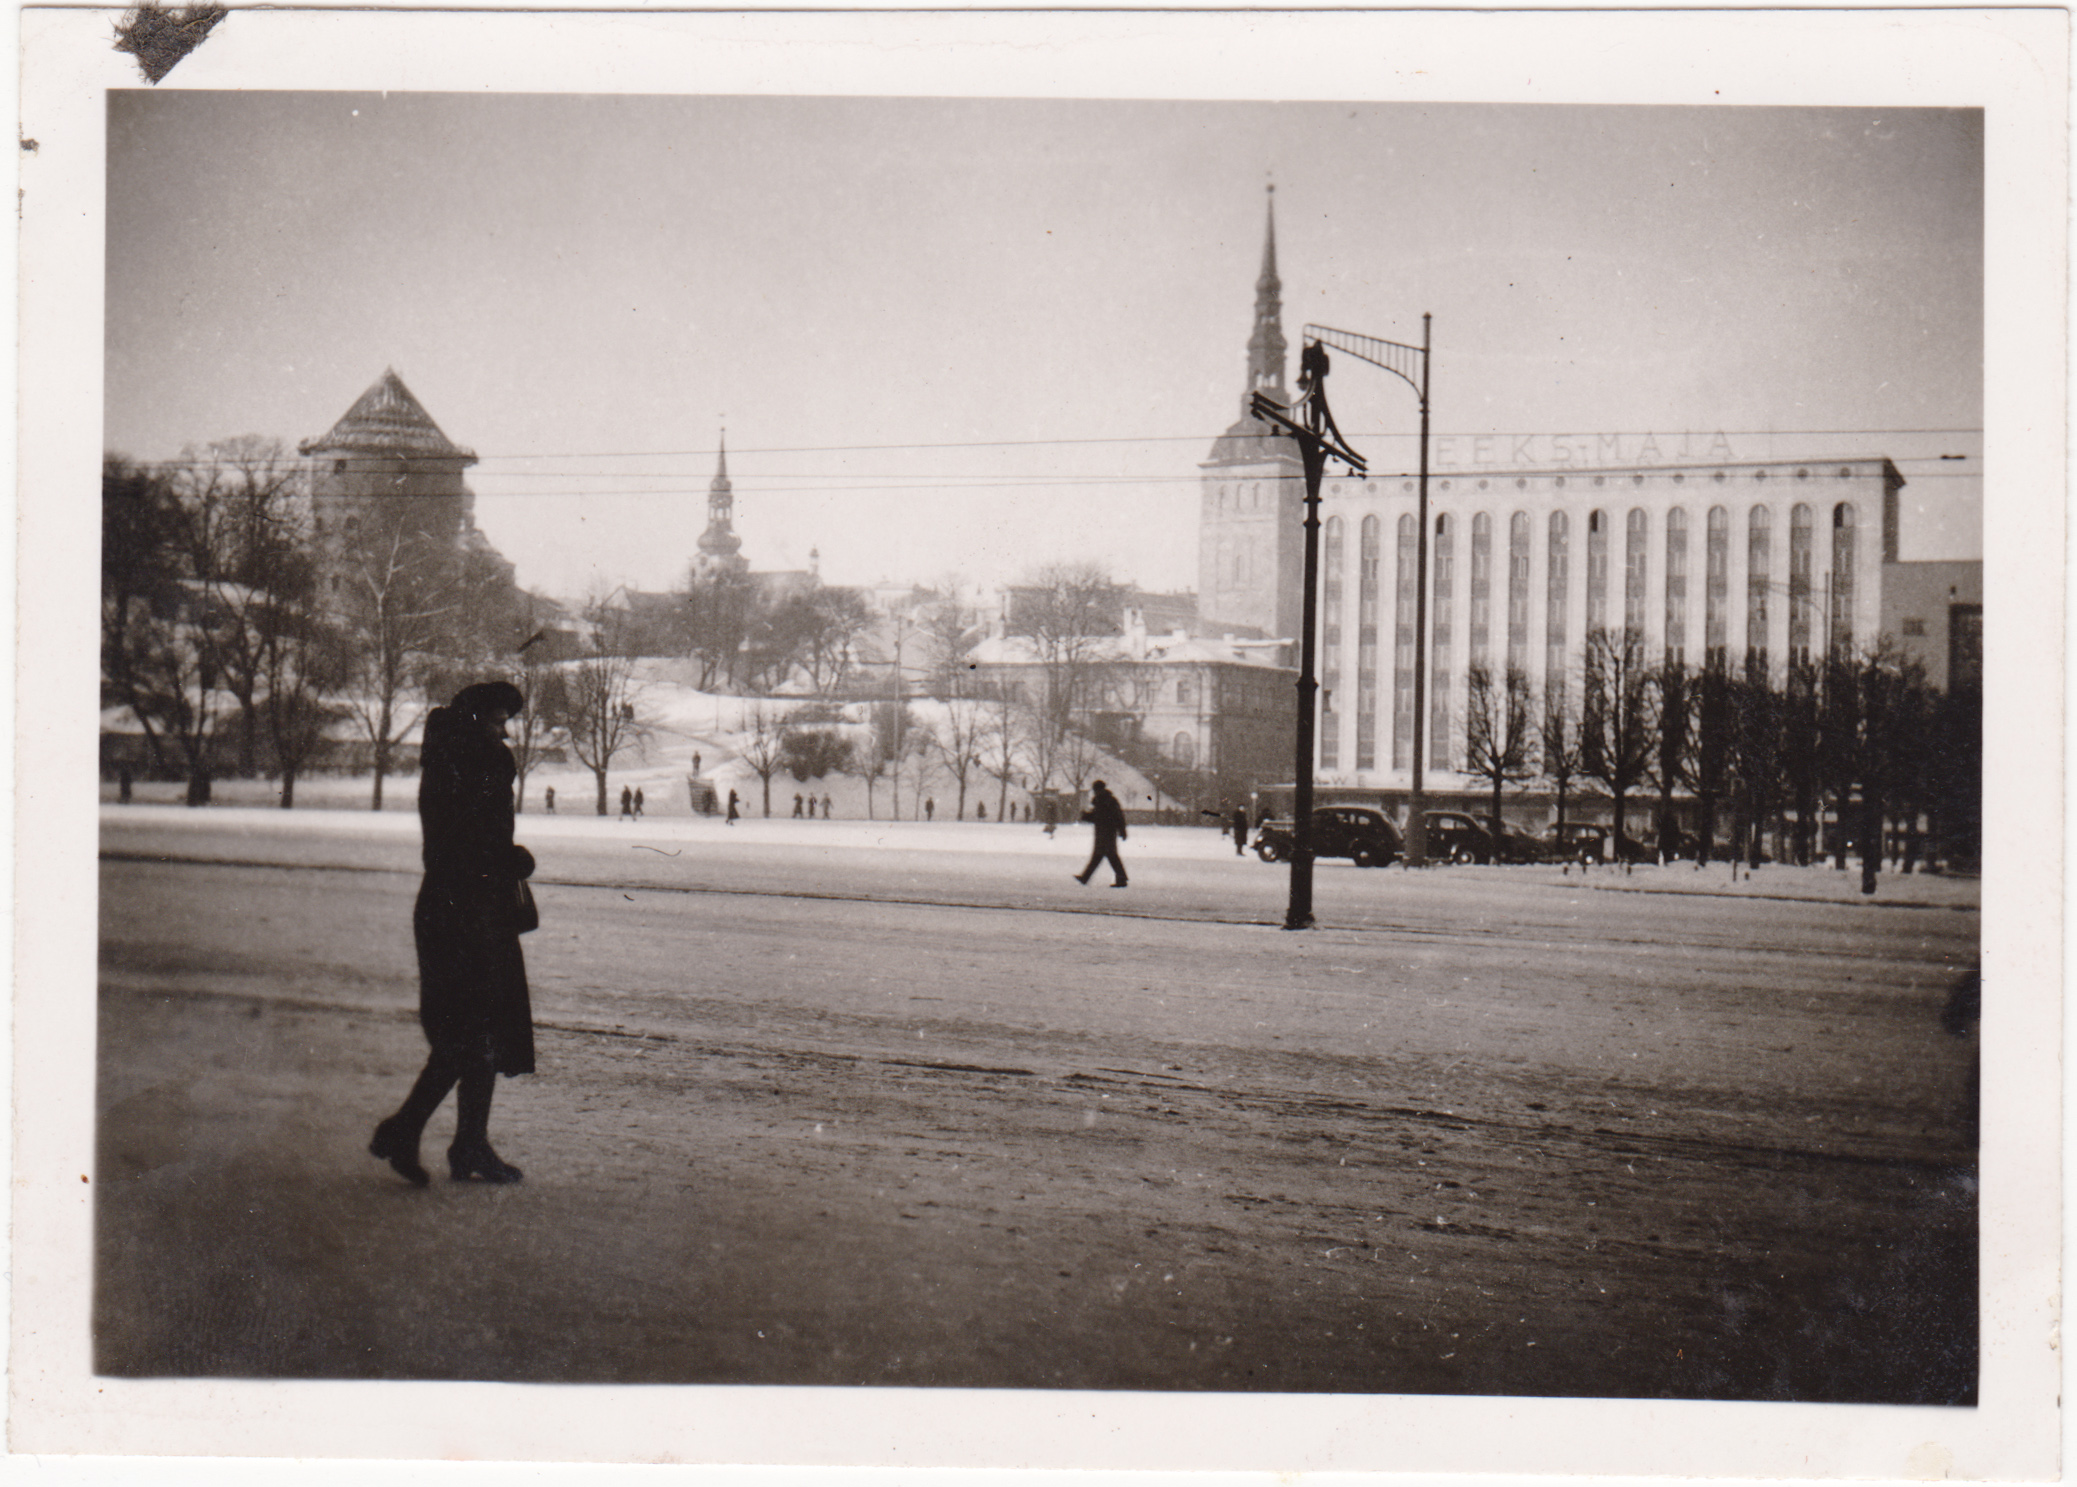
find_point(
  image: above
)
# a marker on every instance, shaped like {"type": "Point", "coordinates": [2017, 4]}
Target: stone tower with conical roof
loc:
{"type": "Point", "coordinates": [1250, 556]}
{"type": "Point", "coordinates": [384, 481]}
{"type": "Point", "coordinates": [721, 550]}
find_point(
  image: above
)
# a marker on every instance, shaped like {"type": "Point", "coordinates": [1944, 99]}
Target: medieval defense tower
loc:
{"type": "Point", "coordinates": [386, 482]}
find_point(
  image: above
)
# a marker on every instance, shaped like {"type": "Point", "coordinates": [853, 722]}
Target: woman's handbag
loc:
{"type": "Point", "coordinates": [525, 914]}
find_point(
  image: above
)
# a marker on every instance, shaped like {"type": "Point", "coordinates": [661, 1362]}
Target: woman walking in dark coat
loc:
{"type": "Point", "coordinates": [472, 907]}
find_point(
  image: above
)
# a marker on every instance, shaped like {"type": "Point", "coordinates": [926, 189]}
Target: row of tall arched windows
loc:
{"type": "Point", "coordinates": [1761, 584]}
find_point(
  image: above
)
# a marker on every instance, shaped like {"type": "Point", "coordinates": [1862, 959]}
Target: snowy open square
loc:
{"type": "Point", "coordinates": [877, 1103]}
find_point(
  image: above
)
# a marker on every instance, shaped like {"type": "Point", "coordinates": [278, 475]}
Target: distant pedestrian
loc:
{"type": "Point", "coordinates": [732, 808]}
{"type": "Point", "coordinates": [1049, 811]}
{"type": "Point", "coordinates": [811, 807]}
{"type": "Point", "coordinates": [627, 804]}
{"type": "Point", "coordinates": [473, 905]}
{"type": "Point", "coordinates": [548, 796]}
{"type": "Point", "coordinates": [980, 810]}
{"type": "Point", "coordinates": [825, 807]}
{"type": "Point", "coordinates": [1108, 817]}
{"type": "Point", "coordinates": [695, 761]}
{"type": "Point", "coordinates": [638, 802]}
{"type": "Point", "coordinates": [796, 805]}
{"type": "Point", "coordinates": [930, 808]}
{"type": "Point", "coordinates": [1240, 831]}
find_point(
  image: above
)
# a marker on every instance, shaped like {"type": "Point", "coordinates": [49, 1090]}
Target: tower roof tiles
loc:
{"type": "Point", "coordinates": [388, 420]}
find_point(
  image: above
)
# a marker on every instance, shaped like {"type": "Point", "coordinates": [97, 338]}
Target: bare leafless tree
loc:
{"type": "Point", "coordinates": [1070, 612]}
{"type": "Point", "coordinates": [599, 712]}
{"type": "Point", "coordinates": [1005, 735]}
{"type": "Point", "coordinates": [1618, 714]}
{"type": "Point", "coordinates": [962, 742]}
{"type": "Point", "coordinates": [762, 746]}
{"type": "Point", "coordinates": [1499, 729]}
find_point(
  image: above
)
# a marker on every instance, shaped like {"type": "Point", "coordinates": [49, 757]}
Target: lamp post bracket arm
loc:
{"type": "Point", "coordinates": [1394, 356]}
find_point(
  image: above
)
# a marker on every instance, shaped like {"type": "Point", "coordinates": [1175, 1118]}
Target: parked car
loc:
{"type": "Point", "coordinates": [1359, 832]}
{"type": "Point", "coordinates": [1519, 846]}
{"type": "Point", "coordinates": [1588, 841]}
{"type": "Point", "coordinates": [1452, 836]}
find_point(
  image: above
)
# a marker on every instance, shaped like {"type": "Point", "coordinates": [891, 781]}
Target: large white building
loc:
{"type": "Point", "coordinates": [1533, 546]}
{"type": "Point", "coordinates": [1730, 564]}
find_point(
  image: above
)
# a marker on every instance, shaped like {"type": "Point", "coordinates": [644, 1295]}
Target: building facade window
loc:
{"type": "Point", "coordinates": [1677, 586]}
{"type": "Point", "coordinates": [1403, 645]}
{"type": "Point", "coordinates": [1441, 636]}
{"type": "Point", "coordinates": [1759, 559]}
{"type": "Point", "coordinates": [1843, 533]}
{"type": "Point", "coordinates": [1369, 542]}
{"type": "Point", "coordinates": [1716, 598]}
{"type": "Point", "coordinates": [1481, 586]}
{"type": "Point", "coordinates": [1557, 593]}
{"type": "Point", "coordinates": [1182, 691]}
{"type": "Point", "coordinates": [1636, 572]}
{"type": "Point", "coordinates": [1518, 591]}
{"type": "Point", "coordinates": [1184, 749]}
{"type": "Point", "coordinates": [1333, 554]}
{"type": "Point", "coordinates": [1799, 585]}
{"type": "Point", "coordinates": [1597, 571]}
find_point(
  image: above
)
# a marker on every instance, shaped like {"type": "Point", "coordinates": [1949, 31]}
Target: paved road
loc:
{"type": "Point", "coordinates": [816, 1109]}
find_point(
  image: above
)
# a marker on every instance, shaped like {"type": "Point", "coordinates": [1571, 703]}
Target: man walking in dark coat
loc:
{"type": "Point", "coordinates": [1108, 817]}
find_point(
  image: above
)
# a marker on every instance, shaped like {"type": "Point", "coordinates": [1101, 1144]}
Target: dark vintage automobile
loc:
{"type": "Point", "coordinates": [1359, 832]}
{"type": "Point", "coordinates": [1452, 836]}
{"type": "Point", "coordinates": [1588, 841]}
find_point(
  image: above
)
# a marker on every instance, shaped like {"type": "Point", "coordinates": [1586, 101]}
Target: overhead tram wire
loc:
{"type": "Point", "coordinates": [1199, 438]}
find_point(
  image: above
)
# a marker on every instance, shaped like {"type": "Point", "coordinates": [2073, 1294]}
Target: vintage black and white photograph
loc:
{"type": "Point", "coordinates": [1198, 746]}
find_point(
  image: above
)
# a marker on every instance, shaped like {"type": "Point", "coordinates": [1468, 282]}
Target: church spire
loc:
{"type": "Point", "coordinates": [1266, 345]}
{"type": "Point", "coordinates": [719, 543]}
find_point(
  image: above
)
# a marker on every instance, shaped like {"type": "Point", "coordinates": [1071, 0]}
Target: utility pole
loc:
{"type": "Point", "coordinates": [1317, 438]}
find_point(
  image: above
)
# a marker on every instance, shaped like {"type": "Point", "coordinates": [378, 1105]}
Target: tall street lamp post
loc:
{"type": "Point", "coordinates": [1410, 363]}
{"type": "Point", "coordinates": [1317, 439]}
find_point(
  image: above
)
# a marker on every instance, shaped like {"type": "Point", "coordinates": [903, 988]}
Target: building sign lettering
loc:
{"type": "Point", "coordinates": [1476, 452]}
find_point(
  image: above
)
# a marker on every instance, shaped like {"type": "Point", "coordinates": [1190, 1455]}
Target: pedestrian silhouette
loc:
{"type": "Point", "coordinates": [638, 802]}
{"type": "Point", "coordinates": [1108, 817]}
{"type": "Point", "coordinates": [627, 803]}
{"type": "Point", "coordinates": [825, 807]}
{"type": "Point", "coordinates": [811, 807]}
{"type": "Point", "coordinates": [980, 810]}
{"type": "Point", "coordinates": [796, 804]}
{"type": "Point", "coordinates": [930, 808]}
{"type": "Point", "coordinates": [731, 807]}
{"type": "Point", "coordinates": [473, 905]}
{"type": "Point", "coordinates": [548, 796]}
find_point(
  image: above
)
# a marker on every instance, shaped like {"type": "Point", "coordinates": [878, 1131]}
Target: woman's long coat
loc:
{"type": "Point", "coordinates": [471, 975]}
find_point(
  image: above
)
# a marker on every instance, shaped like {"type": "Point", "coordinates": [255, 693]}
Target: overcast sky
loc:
{"type": "Point", "coordinates": [970, 336]}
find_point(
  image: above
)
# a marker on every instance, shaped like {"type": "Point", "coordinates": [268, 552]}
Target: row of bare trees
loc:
{"type": "Point", "coordinates": [749, 638]}
{"type": "Point", "coordinates": [1857, 734]}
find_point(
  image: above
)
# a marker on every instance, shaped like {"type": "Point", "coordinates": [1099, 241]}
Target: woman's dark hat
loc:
{"type": "Point", "coordinates": [483, 698]}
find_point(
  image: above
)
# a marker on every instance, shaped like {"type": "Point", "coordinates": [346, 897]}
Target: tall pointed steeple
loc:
{"type": "Point", "coordinates": [1266, 346]}
{"type": "Point", "coordinates": [719, 544]}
